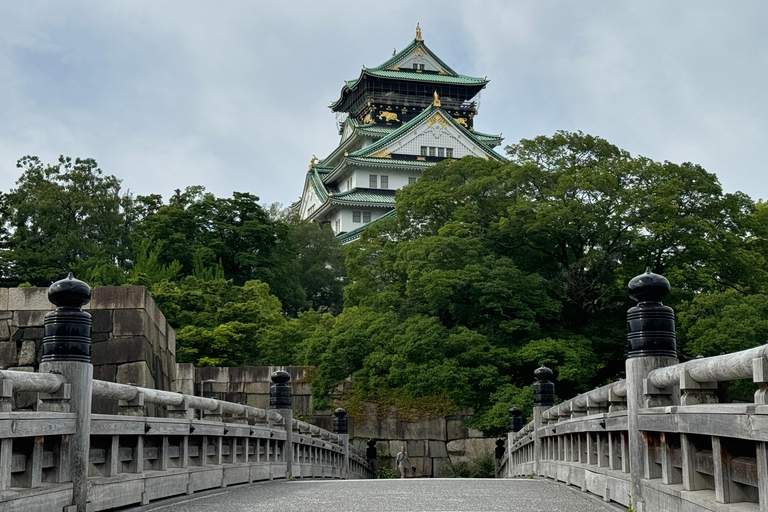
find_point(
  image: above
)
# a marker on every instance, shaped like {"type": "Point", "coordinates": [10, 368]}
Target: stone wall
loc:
{"type": "Point", "coordinates": [249, 385]}
{"type": "Point", "coordinates": [433, 445]}
{"type": "Point", "coordinates": [132, 341]}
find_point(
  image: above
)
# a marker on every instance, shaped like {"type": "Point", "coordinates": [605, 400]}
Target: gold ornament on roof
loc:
{"type": "Point", "coordinates": [462, 121]}
{"type": "Point", "coordinates": [418, 33]}
{"type": "Point", "coordinates": [436, 102]}
{"type": "Point", "coordinates": [394, 51]}
{"type": "Point", "coordinates": [388, 116]}
{"type": "Point", "coordinates": [313, 162]}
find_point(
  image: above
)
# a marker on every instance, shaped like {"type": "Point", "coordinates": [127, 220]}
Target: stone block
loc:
{"type": "Point", "coordinates": [107, 372]}
{"type": "Point", "coordinates": [260, 401]}
{"type": "Point", "coordinates": [32, 333]}
{"type": "Point", "coordinates": [257, 388]}
{"type": "Point", "coordinates": [137, 373]}
{"type": "Point", "coordinates": [30, 318]}
{"type": "Point", "coordinates": [28, 299]}
{"type": "Point", "coordinates": [118, 297]}
{"type": "Point", "coordinates": [474, 433]}
{"type": "Point", "coordinates": [416, 448]}
{"type": "Point", "coordinates": [27, 353]}
{"type": "Point", "coordinates": [3, 299]}
{"type": "Point", "coordinates": [171, 337]}
{"type": "Point", "coordinates": [99, 336]}
{"type": "Point", "coordinates": [185, 371]}
{"type": "Point", "coordinates": [5, 315]}
{"type": "Point", "coordinates": [470, 449]}
{"type": "Point", "coordinates": [218, 387]}
{"type": "Point", "coordinates": [102, 320]}
{"type": "Point", "coordinates": [213, 373]}
{"type": "Point", "coordinates": [454, 427]}
{"type": "Point", "coordinates": [130, 322]}
{"type": "Point", "coordinates": [437, 449]}
{"type": "Point", "coordinates": [121, 350]}
{"type": "Point", "coordinates": [442, 468]}
{"type": "Point", "coordinates": [5, 330]}
{"type": "Point", "coordinates": [8, 355]}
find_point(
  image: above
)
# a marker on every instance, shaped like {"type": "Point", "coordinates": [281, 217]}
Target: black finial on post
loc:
{"type": "Point", "coordinates": [370, 452]}
{"type": "Point", "coordinates": [500, 448]}
{"type": "Point", "coordinates": [515, 419]}
{"type": "Point", "coordinates": [67, 331]}
{"type": "Point", "coordinates": [543, 388]}
{"type": "Point", "coordinates": [650, 324]}
{"type": "Point", "coordinates": [280, 391]}
{"type": "Point", "coordinates": [340, 421]}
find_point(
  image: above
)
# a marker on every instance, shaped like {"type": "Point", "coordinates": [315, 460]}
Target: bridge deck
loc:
{"type": "Point", "coordinates": [515, 495]}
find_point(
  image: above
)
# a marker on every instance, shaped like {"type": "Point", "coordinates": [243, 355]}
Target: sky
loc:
{"type": "Point", "coordinates": [234, 95]}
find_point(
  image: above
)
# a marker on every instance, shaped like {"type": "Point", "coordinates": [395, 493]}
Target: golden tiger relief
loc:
{"type": "Point", "coordinates": [388, 116]}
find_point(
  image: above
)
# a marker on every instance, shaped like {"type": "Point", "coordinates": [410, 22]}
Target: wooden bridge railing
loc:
{"type": "Point", "coordinates": [195, 443]}
{"type": "Point", "coordinates": [658, 441]}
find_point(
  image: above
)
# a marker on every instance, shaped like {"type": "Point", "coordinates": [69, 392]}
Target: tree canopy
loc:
{"type": "Point", "coordinates": [487, 270]}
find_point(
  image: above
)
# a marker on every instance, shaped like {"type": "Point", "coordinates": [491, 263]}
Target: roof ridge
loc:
{"type": "Point", "coordinates": [426, 113]}
{"type": "Point", "coordinates": [407, 50]}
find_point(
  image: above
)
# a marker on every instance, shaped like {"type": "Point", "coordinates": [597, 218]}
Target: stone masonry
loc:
{"type": "Point", "coordinates": [132, 341]}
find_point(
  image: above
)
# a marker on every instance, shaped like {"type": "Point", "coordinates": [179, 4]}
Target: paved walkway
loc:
{"type": "Point", "coordinates": [485, 495]}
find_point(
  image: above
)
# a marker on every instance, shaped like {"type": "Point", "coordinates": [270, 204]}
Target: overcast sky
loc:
{"type": "Point", "coordinates": [234, 95]}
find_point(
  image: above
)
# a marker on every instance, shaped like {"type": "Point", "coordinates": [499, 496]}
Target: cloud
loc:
{"type": "Point", "coordinates": [234, 95]}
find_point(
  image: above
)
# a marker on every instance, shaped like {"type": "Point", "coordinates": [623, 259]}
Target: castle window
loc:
{"type": "Point", "coordinates": [384, 181]}
{"type": "Point", "coordinates": [418, 67]}
{"type": "Point", "coordinates": [355, 216]}
{"type": "Point", "coordinates": [432, 151]}
{"type": "Point", "coordinates": [372, 181]}
{"type": "Point", "coordinates": [366, 217]}
{"type": "Point", "coordinates": [338, 226]}
{"type": "Point", "coordinates": [423, 150]}
{"type": "Point", "coordinates": [449, 152]}
{"type": "Point", "coordinates": [411, 180]}
{"type": "Point", "coordinates": [440, 151]}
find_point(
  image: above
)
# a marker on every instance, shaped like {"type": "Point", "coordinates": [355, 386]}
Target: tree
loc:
{"type": "Point", "coordinates": [65, 216]}
{"type": "Point", "coordinates": [530, 260]}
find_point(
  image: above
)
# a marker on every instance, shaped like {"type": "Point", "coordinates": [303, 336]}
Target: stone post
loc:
{"type": "Point", "coordinates": [543, 399]}
{"type": "Point", "coordinates": [280, 399]}
{"type": "Point", "coordinates": [515, 419]}
{"type": "Point", "coordinates": [67, 350]}
{"type": "Point", "coordinates": [651, 344]}
{"type": "Point", "coordinates": [372, 454]}
{"type": "Point", "coordinates": [340, 427]}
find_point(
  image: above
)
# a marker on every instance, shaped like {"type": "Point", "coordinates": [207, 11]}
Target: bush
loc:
{"type": "Point", "coordinates": [480, 467]}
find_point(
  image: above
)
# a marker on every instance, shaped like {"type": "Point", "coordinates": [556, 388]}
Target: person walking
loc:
{"type": "Point", "coordinates": [402, 462]}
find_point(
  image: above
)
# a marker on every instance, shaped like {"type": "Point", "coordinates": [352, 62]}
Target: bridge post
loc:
{"type": "Point", "coordinates": [543, 399]}
{"type": "Point", "coordinates": [340, 427]}
{"type": "Point", "coordinates": [67, 350]}
{"type": "Point", "coordinates": [280, 399]}
{"type": "Point", "coordinates": [651, 344]}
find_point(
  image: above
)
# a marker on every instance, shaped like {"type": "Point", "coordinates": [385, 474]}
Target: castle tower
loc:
{"type": "Point", "coordinates": [394, 120]}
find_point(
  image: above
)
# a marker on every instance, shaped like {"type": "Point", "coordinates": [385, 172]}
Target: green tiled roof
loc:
{"type": "Point", "coordinates": [425, 114]}
{"type": "Point", "coordinates": [364, 196]}
{"type": "Point", "coordinates": [383, 71]}
{"type": "Point", "coordinates": [426, 77]}
{"type": "Point", "coordinates": [351, 236]}
{"type": "Point", "coordinates": [407, 50]}
{"type": "Point", "coordinates": [388, 161]}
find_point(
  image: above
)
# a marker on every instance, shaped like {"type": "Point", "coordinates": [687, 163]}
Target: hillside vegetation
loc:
{"type": "Point", "coordinates": [486, 271]}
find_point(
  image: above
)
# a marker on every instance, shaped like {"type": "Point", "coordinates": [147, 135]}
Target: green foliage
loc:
{"type": "Point", "coordinates": [64, 216]}
{"type": "Point", "coordinates": [490, 269]}
{"type": "Point", "coordinates": [479, 467]}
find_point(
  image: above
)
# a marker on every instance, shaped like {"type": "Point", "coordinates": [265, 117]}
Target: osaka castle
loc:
{"type": "Point", "coordinates": [394, 120]}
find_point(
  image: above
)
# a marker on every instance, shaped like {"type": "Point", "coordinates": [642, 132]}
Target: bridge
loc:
{"type": "Point", "coordinates": [657, 441]}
